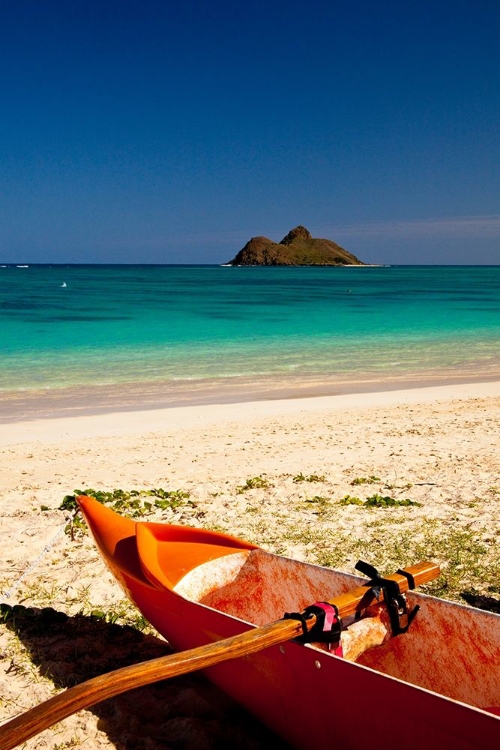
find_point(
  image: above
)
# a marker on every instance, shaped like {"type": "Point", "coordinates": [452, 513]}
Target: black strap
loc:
{"type": "Point", "coordinates": [397, 606]}
{"type": "Point", "coordinates": [408, 576]}
{"type": "Point", "coordinates": [366, 569]}
{"type": "Point", "coordinates": [300, 616]}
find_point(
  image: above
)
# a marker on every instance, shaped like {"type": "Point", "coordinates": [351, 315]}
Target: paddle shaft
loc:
{"type": "Point", "coordinates": [108, 685]}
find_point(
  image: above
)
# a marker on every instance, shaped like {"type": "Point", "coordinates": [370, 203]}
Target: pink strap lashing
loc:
{"type": "Point", "coordinates": [331, 619]}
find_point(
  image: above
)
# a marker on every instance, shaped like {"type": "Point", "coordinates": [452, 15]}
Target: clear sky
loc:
{"type": "Point", "coordinates": [172, 131]}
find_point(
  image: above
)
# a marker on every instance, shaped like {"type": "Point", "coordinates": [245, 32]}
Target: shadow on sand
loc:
{"type": "Point", "coordinates": [481, 601]}
{"type": "Point", "coordinates": [184, 713]}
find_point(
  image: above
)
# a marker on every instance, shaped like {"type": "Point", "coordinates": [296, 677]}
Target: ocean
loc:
{"type": "Point", "coordinates": [74, 326]}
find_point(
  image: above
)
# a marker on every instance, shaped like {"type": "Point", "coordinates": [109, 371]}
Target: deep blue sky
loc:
{"type": "Point", "coordinates": [173, 131]}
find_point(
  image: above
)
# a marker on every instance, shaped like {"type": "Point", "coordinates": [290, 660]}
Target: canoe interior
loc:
{"type": "Point", "coordinates": [450, 649]}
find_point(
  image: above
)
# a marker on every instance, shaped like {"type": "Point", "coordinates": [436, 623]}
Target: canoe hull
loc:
{"type": "Point", "coordinates": [303, 693]}
{"type": "Point", "coordinates": [310, 697]}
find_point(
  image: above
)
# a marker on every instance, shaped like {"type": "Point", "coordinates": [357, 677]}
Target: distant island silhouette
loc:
{"type": "Point", "coordinates": [298, 248]}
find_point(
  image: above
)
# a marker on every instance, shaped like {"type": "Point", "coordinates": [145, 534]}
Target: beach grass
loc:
{"type": "Point", "coordinates": [386, 536]}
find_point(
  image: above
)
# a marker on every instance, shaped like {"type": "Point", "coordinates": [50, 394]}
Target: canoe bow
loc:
{"type": "Point", "coordinates": [100, 688]}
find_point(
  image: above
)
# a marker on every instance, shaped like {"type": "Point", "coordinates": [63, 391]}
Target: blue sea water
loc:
{"type": "Point", "coordinates": [65, 326]}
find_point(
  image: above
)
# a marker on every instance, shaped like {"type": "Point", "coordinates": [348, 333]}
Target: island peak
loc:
{"type": "Point", "coordinates": [299, 232]}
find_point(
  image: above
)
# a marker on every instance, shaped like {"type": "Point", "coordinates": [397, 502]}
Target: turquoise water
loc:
{"type": "Point", "coordinates": [79, 325]}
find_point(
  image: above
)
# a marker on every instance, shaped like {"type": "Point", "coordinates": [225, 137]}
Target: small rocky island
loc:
{"type": "Point", "coordinates": [298, 248]}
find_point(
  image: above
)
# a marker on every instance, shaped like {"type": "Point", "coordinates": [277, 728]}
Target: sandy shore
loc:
{"type": "Point", "coordinates": [437, 446]}
{"type": "Point", "coordinates": [84, 400]}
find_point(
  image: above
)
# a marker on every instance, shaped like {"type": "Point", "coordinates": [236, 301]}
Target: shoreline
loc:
{"type": "Point", "coordinates": [138, 421]}
{"type": "Point", "coordinates": [89, 400]}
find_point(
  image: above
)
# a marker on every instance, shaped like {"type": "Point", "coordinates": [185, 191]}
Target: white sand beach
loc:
{"type": "Point", "coordinates": [437, 446]}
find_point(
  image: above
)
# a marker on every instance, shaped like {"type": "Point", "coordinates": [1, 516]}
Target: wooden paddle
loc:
{"type": "Point", "coordinates": [106, 686]}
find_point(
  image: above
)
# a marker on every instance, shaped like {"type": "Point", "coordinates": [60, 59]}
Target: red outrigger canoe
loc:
{"type": "Point", "coordinates": [436, 686]}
